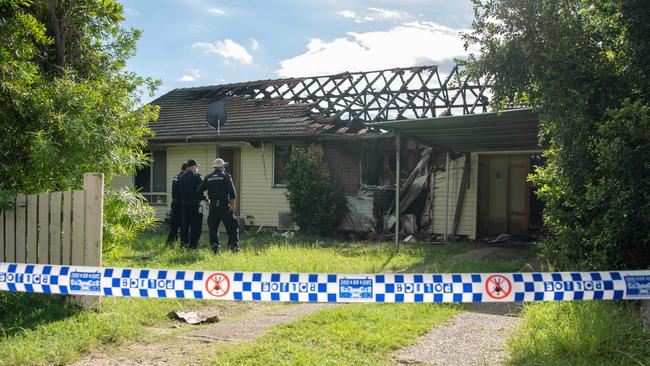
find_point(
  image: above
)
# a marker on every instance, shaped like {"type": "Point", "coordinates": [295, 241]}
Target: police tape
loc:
{"type": "Point", "coordinates": [319, 287]}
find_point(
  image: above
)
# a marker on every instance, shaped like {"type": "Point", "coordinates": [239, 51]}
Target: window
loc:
{"type": "Point", "coordinates": [151, 180]}
{"type": "Point", "coordinates": [281, 155]}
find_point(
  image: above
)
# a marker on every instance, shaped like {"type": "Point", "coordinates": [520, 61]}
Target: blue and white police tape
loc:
{"type": "Point", "coordinates": [318, 287]}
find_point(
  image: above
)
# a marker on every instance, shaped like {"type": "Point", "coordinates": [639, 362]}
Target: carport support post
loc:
{"type": "Point", "coordinates": [447, 200]}
{"type": "Point", "coordinates": [397, 187]}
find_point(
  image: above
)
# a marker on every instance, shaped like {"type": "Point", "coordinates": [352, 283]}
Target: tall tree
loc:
{"type": "Point", "coordinates": [67, 103]}
{"type": "Point", "coordinates": [584, 66]}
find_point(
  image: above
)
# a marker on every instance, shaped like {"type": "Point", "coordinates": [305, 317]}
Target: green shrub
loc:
{"type": "Point", "coordinates": [63, 119]}
{"type": "Point", "coordinates": [603, 224]}
{"type": "Point", "coordinates": [316, 205]}
{"type": "Point", "coordinates": [126, 214]}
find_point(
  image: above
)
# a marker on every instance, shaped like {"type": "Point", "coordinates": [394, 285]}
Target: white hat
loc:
{"type": "Point", "coordinates": [219, 163]}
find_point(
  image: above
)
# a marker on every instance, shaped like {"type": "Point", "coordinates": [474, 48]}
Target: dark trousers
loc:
{"type": "Point", "coordinates": [192, 222]}
{"type": "Point", "coordinates": [219, 212]}
{"type": "Point", "coordinates": [175, 221]}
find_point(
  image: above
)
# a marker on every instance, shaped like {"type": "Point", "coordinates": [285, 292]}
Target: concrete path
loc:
{"type": "Point", "coordinates": [470, 338]}
{"type": "Point", "coordinates": [252, 327]}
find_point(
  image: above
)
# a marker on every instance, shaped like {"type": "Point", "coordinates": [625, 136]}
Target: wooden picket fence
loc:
{"type": "Point", "coordinates": [56, 228]}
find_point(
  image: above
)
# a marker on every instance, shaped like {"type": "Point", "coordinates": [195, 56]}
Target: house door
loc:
{"type": "Point", "coordinates": [504, 195]}
{"type": "Point", "coordinates": [232, 155]}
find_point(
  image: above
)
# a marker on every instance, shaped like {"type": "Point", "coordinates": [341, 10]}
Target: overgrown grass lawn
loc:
{"type": "Point", "coordinates": [580, 333]}
{"type": "Point", "coordinates": [299, 254]}
{"type": "Point", "coordinates": [41, 329]}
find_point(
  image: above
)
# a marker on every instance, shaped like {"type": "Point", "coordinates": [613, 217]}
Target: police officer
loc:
{"type": "Point", "coordinates": [221, 195]}
{"type": "Point", "coordinates": [191, 210]}
{"type": "Point", "coordinates": [175, 216]}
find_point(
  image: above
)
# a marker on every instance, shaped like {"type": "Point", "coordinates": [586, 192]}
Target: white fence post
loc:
{"type": "Point", "coordinates": [644, 306]}
{"type": "Point", "coordinates": [92, 231]}
{"type": "Point", "coordinates": [94, 189]}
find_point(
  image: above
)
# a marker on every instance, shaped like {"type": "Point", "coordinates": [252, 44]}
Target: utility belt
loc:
{"type": "Point", "coordinates": [218, 203]}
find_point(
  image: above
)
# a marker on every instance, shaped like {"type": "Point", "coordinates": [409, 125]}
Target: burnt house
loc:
{"type": "Point", "coordinates": [459, 169]}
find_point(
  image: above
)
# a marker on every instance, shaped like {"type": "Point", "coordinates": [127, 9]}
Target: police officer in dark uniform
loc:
{"type": "Point", "coordinates": [175, 216]}
{"type": "Point", "coordinates": [221, 195]}
{"type": "Point", "coordinates": [191, 210]}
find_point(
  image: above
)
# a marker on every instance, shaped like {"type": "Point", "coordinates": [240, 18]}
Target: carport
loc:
{"type": "Point", "coordinates": [509, 130]}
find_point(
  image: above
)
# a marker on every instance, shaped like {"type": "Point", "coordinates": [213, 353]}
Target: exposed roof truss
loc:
{"type": "Point", "coordinates": [353, 99]}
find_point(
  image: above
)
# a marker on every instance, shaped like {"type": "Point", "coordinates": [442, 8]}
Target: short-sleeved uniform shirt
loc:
{"type": "Point", "coordinates": [188, 183]}
{"type": "Point", "coordinates": [219, 186]}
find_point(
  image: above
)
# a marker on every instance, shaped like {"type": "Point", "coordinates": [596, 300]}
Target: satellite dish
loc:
{"type": "Point", "coordinates": [215, 115]}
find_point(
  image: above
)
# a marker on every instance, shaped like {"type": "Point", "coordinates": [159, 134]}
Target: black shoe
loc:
{"type": "Point", "coordinates": [234, 249]}
{"type": "Point", "coordinates": [216, 249]}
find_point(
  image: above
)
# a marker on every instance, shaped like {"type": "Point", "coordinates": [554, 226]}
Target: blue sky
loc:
{"type": "Point", "coordinates": [189, 43]}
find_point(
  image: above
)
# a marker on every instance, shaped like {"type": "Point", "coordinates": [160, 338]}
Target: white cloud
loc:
{"type": "Point", "coordinates": [254, 44]}
{"type": "Point", "coordinates": [380, 13]}
{"type": "Point", "coordinates": [373, 14]}
{"type": "Point", "coordinates": [192, 75]}
{"type": "Point", "coordinates": [216, 11]}
{"type": "Point", "coordinates": [415, 43]}
{"type": "Point", "coordinates": [228, 49]}
{"type": "Point", "coordinates": [347, 14]}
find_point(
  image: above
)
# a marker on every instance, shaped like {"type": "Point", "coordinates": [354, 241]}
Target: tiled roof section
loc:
{"type": "Point", "coordinates": [182, 115]}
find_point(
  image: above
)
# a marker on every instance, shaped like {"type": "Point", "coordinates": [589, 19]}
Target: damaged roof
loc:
{"type": "Point", "coordinates": [347, 103]}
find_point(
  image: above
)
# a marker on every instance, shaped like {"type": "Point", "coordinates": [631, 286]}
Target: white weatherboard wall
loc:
{"type": "Point", "coordinates": [259, 198]}
{"type": "Point", "coordinates": [467, 224]}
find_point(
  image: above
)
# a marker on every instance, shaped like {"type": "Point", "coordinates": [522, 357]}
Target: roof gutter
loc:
{"type": "Point", "coordinates": [245, 139]}
{"type": "Point", "coordinates": [192, 138]}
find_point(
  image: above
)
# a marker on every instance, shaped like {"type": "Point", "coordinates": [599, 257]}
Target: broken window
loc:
{"type": "Point", "coordinates": [378, 164]}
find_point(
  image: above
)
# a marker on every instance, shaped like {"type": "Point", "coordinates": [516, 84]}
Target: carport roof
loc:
{"type": "Point", "coordinates": [514, 129]}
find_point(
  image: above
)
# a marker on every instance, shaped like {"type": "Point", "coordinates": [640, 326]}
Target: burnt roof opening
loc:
{"type": "Point", "coordinates": [348, 102]}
